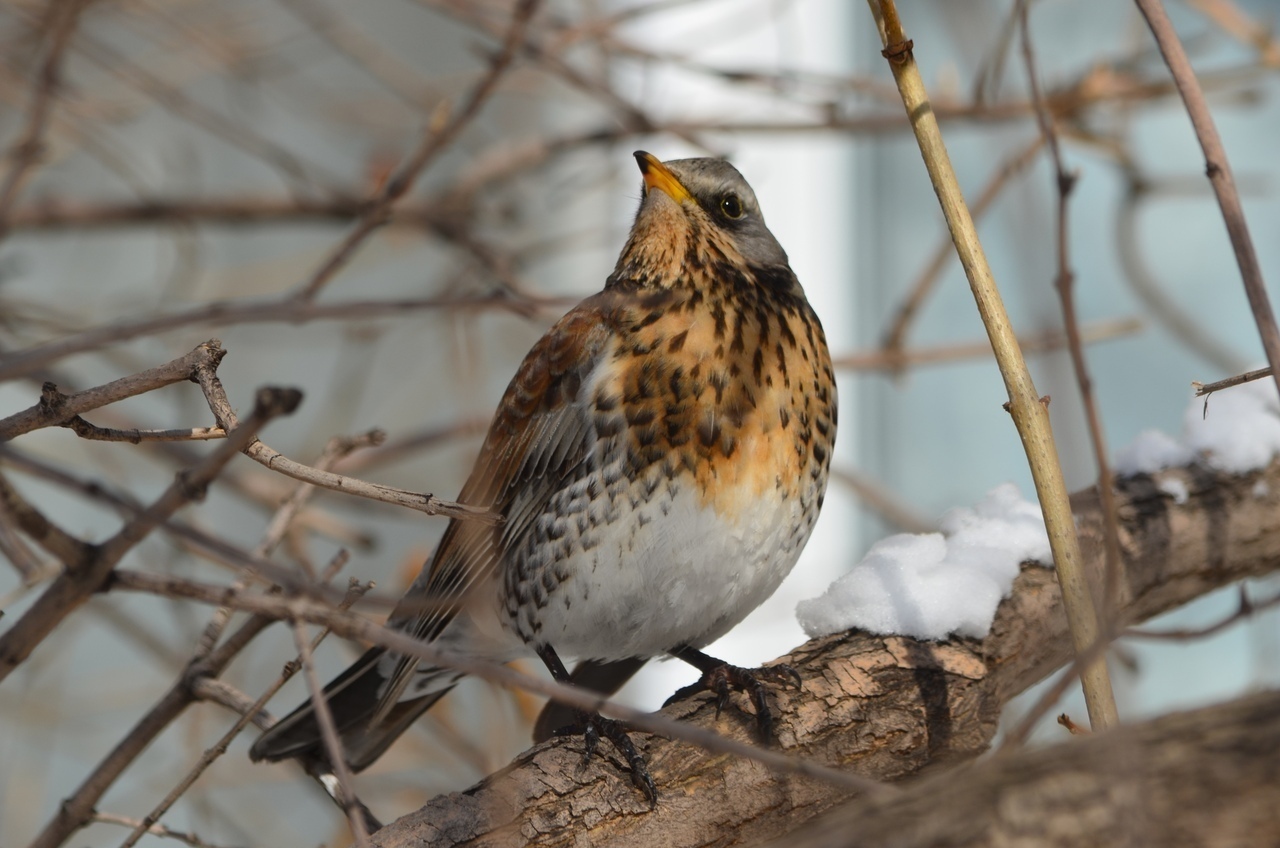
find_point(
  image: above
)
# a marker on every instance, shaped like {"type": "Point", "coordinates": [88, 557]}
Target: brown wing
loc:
{"type": "Point", "coordinates": [542, 430]}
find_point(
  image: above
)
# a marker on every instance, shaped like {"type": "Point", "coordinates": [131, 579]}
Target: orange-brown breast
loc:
{"type": "Point", "coordinates": [729, 379]}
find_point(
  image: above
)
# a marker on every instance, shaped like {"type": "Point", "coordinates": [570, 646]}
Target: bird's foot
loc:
{"type": "Point", "coordinates": [595, 727]}
{"type": "Point", "coordinates": [723, 678]}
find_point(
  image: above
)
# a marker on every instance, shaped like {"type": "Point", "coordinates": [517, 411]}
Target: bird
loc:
{"type": "Point", "coordinates": [659, 460]}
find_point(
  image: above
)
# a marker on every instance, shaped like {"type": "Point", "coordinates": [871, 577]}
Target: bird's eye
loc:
{"type": "Point", "coordinates": [731, 206]}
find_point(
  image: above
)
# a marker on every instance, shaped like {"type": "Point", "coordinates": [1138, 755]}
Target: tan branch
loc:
{"type": "Point", "coordinates": [1206, 777]}
{"type": "Point", "coordinates": [883, 707]}
{"type": "Point", "coordinates": [56, 409]}
{"type": "Point", "coordinates": [86, 574]}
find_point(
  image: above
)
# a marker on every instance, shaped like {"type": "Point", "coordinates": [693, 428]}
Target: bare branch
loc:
{"type": "Point", "coordinates": [56, 409]}
{"type": "Point", "coordinates": [85, 574]}
{"type": "Point", "coordinates": [1218, 170]}
{"type": "Point", "coordinates": [62, 15]}
{"type": "Point", "coordinates": [438, 137]}
{"type": "Point", "coordinates": [1205, 389]}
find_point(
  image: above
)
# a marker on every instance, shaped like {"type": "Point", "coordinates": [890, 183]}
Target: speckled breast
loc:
{"type": "Point", "coordinates": [714, 420]}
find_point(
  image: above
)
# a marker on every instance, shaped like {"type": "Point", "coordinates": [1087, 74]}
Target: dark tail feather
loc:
{"type": "Point", "coordinates": [605, 678]}
{"type": "Point", "coordinates": [353, 699]}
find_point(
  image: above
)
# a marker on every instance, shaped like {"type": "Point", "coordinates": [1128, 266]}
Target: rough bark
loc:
{"type": "Point", "coordinates": [1203, 778]}
{"type": "Point", "coordinates": [885, 707]}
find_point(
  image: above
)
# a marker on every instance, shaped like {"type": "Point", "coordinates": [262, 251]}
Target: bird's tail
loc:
{"type": "Point", "coordinates": [354, 698]}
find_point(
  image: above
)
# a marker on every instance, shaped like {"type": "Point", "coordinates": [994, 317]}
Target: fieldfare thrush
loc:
{"type": "Point", "coordinates": [659, 458]}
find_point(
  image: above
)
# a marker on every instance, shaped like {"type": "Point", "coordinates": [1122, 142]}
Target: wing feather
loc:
{"type": "Point", "coordinates": [542, 431]}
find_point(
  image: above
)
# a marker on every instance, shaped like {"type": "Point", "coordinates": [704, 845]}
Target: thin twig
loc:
{"type": "Point", "coordinates": [1065, 286]}
{"type": "Point", "coordinates": [62, 17]}
{"type": "Point", "coordinates": [1202, 389]}
{"type": "Point", "coordinates": [883, 360]}
{"type": "Point", "coordinates": [256, 311]}
{"type": "Point", "coordinates": [329, 736]}
{"type": "Point", "coordinates": [56, 409]}
{"type": "Point", "coordinates": [1218, 169]}
{"type": "Point", "coordinates": [84, 577]}
{"type": "Point", "coordinates": [440, 134]}
{"type": "Point", "coordinates": [271, 458]}
{"type": "Point", "coordinates": [154, 830]}
{"type": "Point", "coordinates": [253, 712]}
{"type": "Point", "coordinates": [94, 433]}
{"type": "Point", "coordinates": [1245, 608]}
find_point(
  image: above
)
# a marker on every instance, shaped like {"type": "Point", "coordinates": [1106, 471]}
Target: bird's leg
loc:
{"type": "Point", "coordinates": [594, 726]}
{"type": "Point", "coordinates": [720, 677]}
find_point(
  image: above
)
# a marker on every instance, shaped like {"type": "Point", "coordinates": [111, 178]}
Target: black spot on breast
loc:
{"type": "Point", "coordinates": [787, 336]}
{"type": "Point", "coordinates": [708, 431]}
{"type": "Point", "coordinates": [735, 413]}
{"type": "Point", "coordinates": [676, 382]}
{"type": "Point", "coordinates": [718, 380]}
{"type": "Point", "coordinates": [677, 341]}
{"type": "Point", "coordinates": [639, 416]}
{"type": "Point", "coordinates": [739, 343]}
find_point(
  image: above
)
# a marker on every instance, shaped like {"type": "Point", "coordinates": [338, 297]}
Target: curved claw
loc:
{"type": "Point", "coordinates": [784, 674]}
{"type": "Point", "coordinates": [616, 733]}
{"type": "Point", "coordinates": [720, 679]}
{"type": "Point", "coordinates": [595, 727]}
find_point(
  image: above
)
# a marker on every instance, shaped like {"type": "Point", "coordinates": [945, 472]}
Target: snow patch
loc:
{"type": "Point", "coordinates": [935, 584]}
{"type": "Point", "coordinates": [1237, 432]}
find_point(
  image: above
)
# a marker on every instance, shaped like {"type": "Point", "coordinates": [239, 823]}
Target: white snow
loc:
{"type": "Point", "coordinates": [934, 584]}
{"type": "Point", "coordinates": [1176, 488]}
{"type": "Point", "coordinates": [1238, 432]}
{"type": "Point", "coordinates": [1152, 451]}
{"type": "Point", "coordinates": [930, 586]}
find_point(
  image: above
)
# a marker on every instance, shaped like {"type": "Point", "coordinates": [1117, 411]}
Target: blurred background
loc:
{"type": "Point", "coordinates": [177, 170]}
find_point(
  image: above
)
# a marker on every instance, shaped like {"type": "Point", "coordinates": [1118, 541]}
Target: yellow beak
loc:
{"type": "Point", "coordinates": [659, 176]}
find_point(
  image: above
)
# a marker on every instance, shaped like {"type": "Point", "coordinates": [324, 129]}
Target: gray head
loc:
{"type": "Point", "coordinates": [723, 198]}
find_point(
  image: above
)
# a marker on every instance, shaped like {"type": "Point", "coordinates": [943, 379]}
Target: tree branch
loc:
{"type": "Point", "coordinates": [1206, 777]}
{"type": "Point", "coordinates": [883, 707]}
{"type": "Point", "coordinates": [86, 574]}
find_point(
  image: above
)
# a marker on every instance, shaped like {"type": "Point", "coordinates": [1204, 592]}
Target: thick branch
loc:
{"type": "Point", "coordinates": [884, 707]}
{"type": "Point", "coordinates": [1207, 777]}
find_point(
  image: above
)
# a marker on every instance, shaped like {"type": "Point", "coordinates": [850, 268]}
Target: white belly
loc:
{"type": "Point", "coordinates": [670, 572]}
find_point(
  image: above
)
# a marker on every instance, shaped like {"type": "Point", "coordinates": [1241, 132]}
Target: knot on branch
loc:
{"type": "Point", "coordinates": [51, 399]}
{"type": "Point", "coordinates": [899, 52]}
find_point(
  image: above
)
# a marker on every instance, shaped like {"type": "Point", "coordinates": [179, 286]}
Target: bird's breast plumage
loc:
{"type": "Point", "coordinates": [711, 419]}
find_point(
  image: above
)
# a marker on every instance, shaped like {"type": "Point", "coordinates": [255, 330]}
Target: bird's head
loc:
{"type": "Point", "coordinates": [695, 214]}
